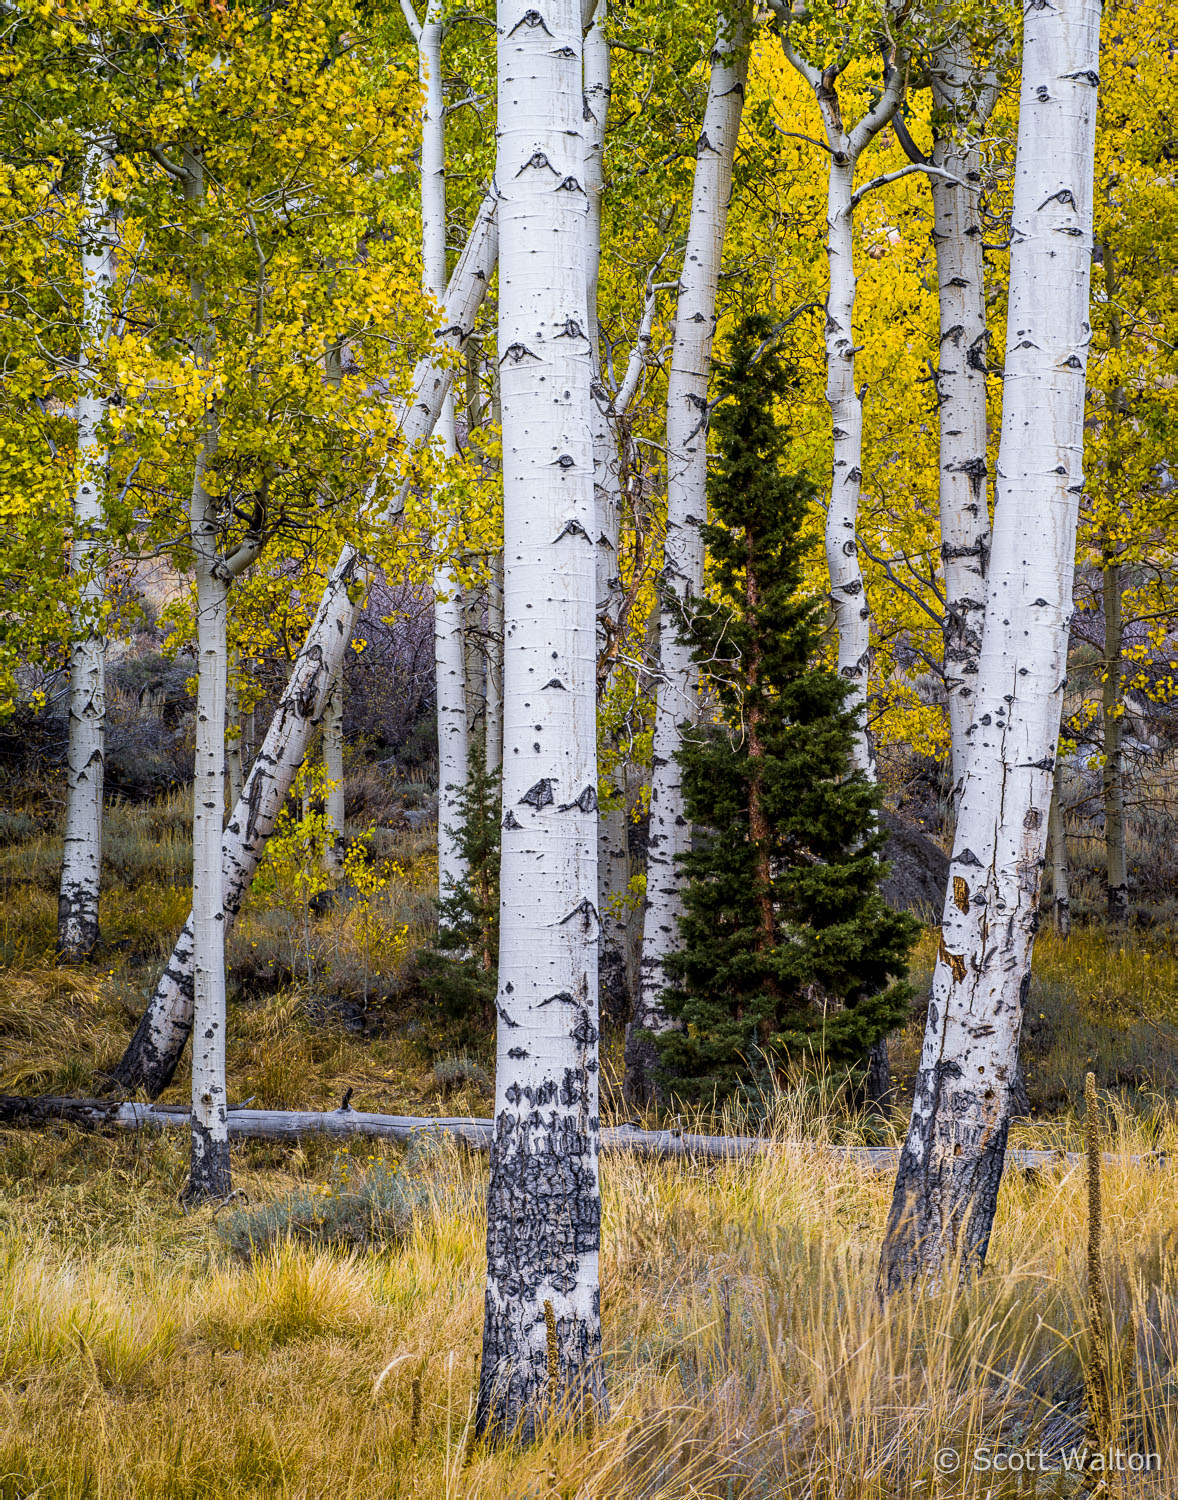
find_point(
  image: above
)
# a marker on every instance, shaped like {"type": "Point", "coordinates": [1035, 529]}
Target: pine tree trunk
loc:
{"type": "Point", "coordinates": [542, 1328]}
{"type": "Point", "coordinates": [81, 869]}
{"type": "Point", "coordinates": [159, 1040]}
{"type": "Point", "coordinates": [961, 395]}
{"type": "Point", "coordinates": [947, 1184]}
{"type": "Point", "coordinates": [333, 770]}
{"type": "Point", "coordinates": [683, 555]}
{"type": "Point", "coordinates": [1061, 903]}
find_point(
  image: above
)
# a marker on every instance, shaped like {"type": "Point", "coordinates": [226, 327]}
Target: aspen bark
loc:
{"type": "Point", "coordinates": [209, 1174]}
{"type": "Point", "coordinates": [81, 867]}
{"type": "Point", "coordinates": [333, 770]}
{"type": "Point", "coordinates": [449, 633]}
{"type": "Point", "coordinates": [848, 593]}
{"type": "Point", "coordinates": [233, 749]}
{"type": "Point", "coordinates": [543, 1199]}
{"type": "Point", "coordinates": [613, 864]}
{"type": "Point", "coordinates": [683, 554]}
{"type": "Point", "coordinates": [961, 387]}
{"type": "Point", "coordinates": [494, 724]}
{"type": "Point", "coordinates": [1113, 771]}
{"type": "Point", "coordinates": [159, 1040]}
{"type": "Point", "coordinates": [947, 1183]}
{"type": "Point", "coordinates": [1061, 901]}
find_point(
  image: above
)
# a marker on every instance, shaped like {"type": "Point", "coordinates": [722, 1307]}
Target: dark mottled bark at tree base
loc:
{"type": "Point", "coordinates": [879, 1074]}
{"type": "Point", "coordinates": [613, 989]}
{"type": "Point", "coordinates": [641, 1087]}
{"type": "Point", "coordinates": [942, 1210]}
{"type": "Point", "coordinates": [543, 1217]}
{"type": "Point", "coordinates": [77, 914]}
{"type": "Point", "coordinates": [209, 1176]}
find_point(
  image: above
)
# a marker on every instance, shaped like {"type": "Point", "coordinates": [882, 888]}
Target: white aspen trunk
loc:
{"type": "Point", "coordinates": [209, 1175]}
{"type": "Point", "coordinates": [333, 768]}
{"type": "Point", "coordinates": [156, 1047]}
{"type": "Point", "coordinates": [154, 1051]}
{"type": "Point", "coordinates": [961, 393]}
{"type": "Point", "coordinates": [1061, 900]}
{"type": "Point", "coordinates": [848, 592]}
{"type": "Point", "coordinates": [474, 672]}
{"type": "Point", "coordinates": [81, 867]}
{"type": "Point", "coordinates": [494, 725]}
{"type": "Point", "coordinates": [449, 651]}
{"type": "Point", "coordinates": [233, 768]}
{"type": "Point", "coordinates": [947, 1184]}
{"type": "Point", "coordinates": [683, 555]}
{"type": "Point", "coordinates": [543, 1199]}
{"type": "Point", "coordinates": [613, 866]}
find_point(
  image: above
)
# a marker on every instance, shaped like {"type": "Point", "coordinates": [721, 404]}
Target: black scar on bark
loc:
{"type": "Point", "coordinates": [511, 821]}
{"type": "Point", "coordinates": [540, 795]}
{"type": "Point", "coordinates": [209, 1176]}
{"type": "Point", "coordinates": [543, 1217]}
{"type": "Point", "coordinates": [952, 1203]}
{"type": "Point", "coordinates": [586, 801]}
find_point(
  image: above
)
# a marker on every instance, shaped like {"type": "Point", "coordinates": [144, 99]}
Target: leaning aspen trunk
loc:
{"type": "Point", "coordinates": [81, 868]}
{"type": "Point", "coordinates": [159, 1040]}
{"type": "Point", "coordinates": [333, 771]}
{"type": "Point", "coordinates": [961, 397]}
{"type": "Point", "coordinates": [154, 1051]}
{"type": "Point", "coordinates": [683, 555]}
{"type": "Point", "coordinates": [542, 1329]}
{"type": "Point", "coordinates": [947, 1184]}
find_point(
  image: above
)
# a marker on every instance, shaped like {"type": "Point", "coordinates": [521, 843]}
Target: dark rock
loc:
{"type": "Point", "coordinates": [918, 873]}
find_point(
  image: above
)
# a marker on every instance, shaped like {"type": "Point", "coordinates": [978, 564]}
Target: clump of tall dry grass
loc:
{"type": "Point", "coordinates": [747, 1353]}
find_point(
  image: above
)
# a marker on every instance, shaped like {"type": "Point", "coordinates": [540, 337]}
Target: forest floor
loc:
{"type": "Point", "coordinates": [319, 1337]}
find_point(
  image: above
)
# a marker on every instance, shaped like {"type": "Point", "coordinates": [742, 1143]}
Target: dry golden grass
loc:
{"type": "Point", "coordinates": [747, 1354]}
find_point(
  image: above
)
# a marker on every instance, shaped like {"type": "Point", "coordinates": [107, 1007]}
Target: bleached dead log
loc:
{"type": "Point", "coordinates": [294, 1124]}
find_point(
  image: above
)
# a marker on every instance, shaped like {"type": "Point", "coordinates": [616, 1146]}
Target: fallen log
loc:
{"type": "Point", "coordinates": [292, 1124]}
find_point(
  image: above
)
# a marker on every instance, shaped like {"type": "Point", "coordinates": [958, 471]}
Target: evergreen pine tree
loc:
{"type": "Point", "coordinates": [461, 971]}
{"type": "Point", "coordinates": [788, 948]}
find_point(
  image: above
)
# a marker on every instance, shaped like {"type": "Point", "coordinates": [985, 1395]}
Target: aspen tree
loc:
{"type": "Point", "coordinates": [683, 556]}
{"type": "Point", "coordinates": [846, 144]}
{"type": "Point", "coordinates": [159, 1040]}
{"type": "Point", "coordinates": [542, 1326]}
{"type": "Point", "coordinates": [964, 102]}
{"type": "Point", "coordinates": [449, 631]}
{"type": "Point", "coordinates": [81, 870]}
{"type": "Point", "coordinates": [947, 1183]}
